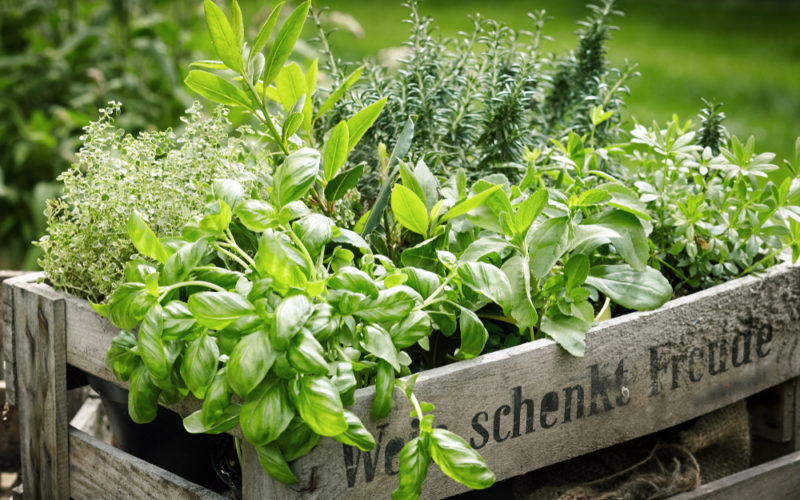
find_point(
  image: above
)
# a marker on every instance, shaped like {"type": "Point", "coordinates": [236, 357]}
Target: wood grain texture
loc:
{"type": "Point", "coordinates": [7, 334]}
{"type": "Point", "coordinates": [40, 364]}
{"type": "Point", "coordinates": [9, 434]}
{"type": "Point", "coordinates": [775, 480]}
{"type": "Point", "coordinates": [534, 405]}
{"type": "Point", "coordinates": [98, 470]}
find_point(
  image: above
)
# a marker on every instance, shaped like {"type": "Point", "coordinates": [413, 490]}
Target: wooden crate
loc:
{"type": "Point", "coordinates": [9, 420]}
{"type": "Point", "coordinates": [523, 408]}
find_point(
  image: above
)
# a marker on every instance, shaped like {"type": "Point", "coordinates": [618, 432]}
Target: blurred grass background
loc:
{"type": "Point", "coordinates": [62, 59]}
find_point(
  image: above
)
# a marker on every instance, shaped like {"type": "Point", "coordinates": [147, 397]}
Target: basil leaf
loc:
{"type": "Point", "coordinates": [409, 331]}
{"type": "Point", "coordinates": [393, 304]}
{"type": "Point", "coordinates": [249, 362]}
{"type": "Point", "coordinates": [217, 217]}
{"type": "Point", "coordinates": [227, 420]}
{"type": "Point", "coordinates": [290, 316]}
{"type": "Point", "coordinates": [223, 37]}
{"type": "Point", "coordinates": [384, 385]}
{"type": "Point", "coordinates": [336, 150]}
{"type": "Point", "coordinates": [458, 461]}
{"type": "Point", "coordinates": [546, 244]}
{"type": "Point", "coordinates": [306, 355]}
{"type": "Point", "coordinates": [120, 359]}
{"type": "Point", "coordinates": [144, 239]}
{"type": "Point", "coordinates": [256, 215]}
{"type": "Point", "coordinates": [639, 290]}
{"type": "Point", "coordinates": [319, 404]}
{"type": "Point", "coordinates": [473, 335]}
{"type": "Point", "coordinates": [487, 280]}
{"type": "Point", "coordinates": [277, 258]}
{"type": "Point", "coordinates": [294, 177]}
{"type": "Point", "coordinates": [315, 231]}
{"type": "Point", "coordinates": [229, 191]}
{"type": "Point", "coordinates": [378, 342]}
{"type": "Point", "coordinates": [266, 412]}
{"type": "Point", "coordinates": [217, 89]}
{"type": "Point", "coordinates": [151, 346]}
{"type": "Point", "coordinates": [142, 396]}
{"type": "Point", "coordinates": [284, 42]}
{"type": "Point", "coordinates": [409, 210]}
{"type": "Point", "coordinates": [297, 440]}
{"type": "Point", "coordinates": [356, 434]}
{"type": "Point", "coordinates": [216, 400]}
{"type": "Point", "coordinates": [322, 324]}
{"type": "Point", "coordinates": [138, 270]}
{"type": "Point", "coordinates": [200, 365]}
{"type": "Point", "coordinates": [345, 382]}
{"type": "Point", "coordinates": [355, 280]}
{"type": "Point", "coordinates": [414, 460]}
{"type": "Point", "coordinates": [180, 264]}
{"type": "Point", "coordinates": [216, 310]}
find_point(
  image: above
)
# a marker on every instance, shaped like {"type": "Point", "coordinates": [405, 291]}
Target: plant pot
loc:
{"type": "Point", "coordinates": [200, 458]}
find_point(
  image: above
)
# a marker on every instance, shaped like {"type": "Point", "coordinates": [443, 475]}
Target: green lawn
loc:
{"type": "Point", "coordinates": [745, 54]}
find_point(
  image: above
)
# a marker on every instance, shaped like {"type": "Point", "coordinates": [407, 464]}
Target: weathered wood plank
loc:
{"type": "Point", "coordinates": [9, 434]}
{"type": "Point", "coordinates": [98, 470]}
{"type": "Point", "coordinates": [40, 364]}
{"type": "Point", "coordinates": [775, 480]}
{"type": "Point", "coordinates": [533, 405]}
{"type": "Point", "coordinates": [7, 334]}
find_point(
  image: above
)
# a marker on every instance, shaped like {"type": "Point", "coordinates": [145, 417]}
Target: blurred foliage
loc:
{"type": "Point", "coordinates": [59, 62]}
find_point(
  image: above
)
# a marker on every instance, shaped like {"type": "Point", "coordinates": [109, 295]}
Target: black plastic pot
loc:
{"type": "Point", "coordinates": [207, 460]}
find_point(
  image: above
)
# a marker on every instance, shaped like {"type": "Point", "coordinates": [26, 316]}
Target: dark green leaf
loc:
{"type": "Point", "coordinates": [306, 355]}
{"type": "Point", "coordinates": [180, 264]}
{"type": "Point", "coordinates": [355, 280]}
{"type": "Point", "coordinates": [216, 400]}
{"type": "Point", "coordinates": [473, 335]}
{"type": "Point", "coordinates": [142, 396]}
{"type": "Point", "coordinates": [384, 385]}
{"type": "Point", "coordinates": [414, 460]}
{"type": "Point", "coordinates": [415, 326]}
{"type": "Point", "coordinates": [569, 331]}
{"type": "Point", "coordinates": [320, 405]}
{"type": "Point", "coordinates": [378, 342]}
{"type": "Point", "coordinates": [151, 346]}
{"type": "Point", "coordinates": [315, 231]}
{"type": "Point", "coordinates": [266, 412]}
{"type": "Point", "coordinates": [129, 304]}
{"type": "Point", "coordinates": [393, 304]}
{"type": "Point", "coordinates": [200, 365]}
{"type": "Point", "coordinates": [120, 359]}
{"type": "Point", "coordinates": [249, 362]}
{"type": "Point", "coordinates": [297, 440]}
{"type": "Point", "coordinates": [290, 316]}
{"type": "Point", "coordinates": [226, 421]}
{"type": "Point", "coordinates": [576, 271]}
{"type": "Point", "coordinates": [343, 182]}
{"type": "Point", "coordinates": [216, 310]}
{"type": "Point", "coordinates": [272, 460]}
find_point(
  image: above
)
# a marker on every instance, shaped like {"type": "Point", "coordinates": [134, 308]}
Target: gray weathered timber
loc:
{"type": "Point", "coordinates": [7, 334]}
{"type": "Point", "coordinates": [41, 373]}
{"type": "Point", "coordinates": [98, 470]}
{"type": "Point", "coordinates": [775, 480]}
{"type": "Point", "coordinates": [534, 405]}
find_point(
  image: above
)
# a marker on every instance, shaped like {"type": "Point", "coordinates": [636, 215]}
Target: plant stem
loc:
{"type": "Point", "coordinates": [206, 284]}
{"type": "Point", "coordinates": [439, 290]}
{"type": "Point", "coordinates": [233, 256]}
{"type": "Point", "coordinates": [767, 257]}
{"type": "Point", "coordinates": [232, 241]}
{"type": "Point", "coordinates": [304, 251]}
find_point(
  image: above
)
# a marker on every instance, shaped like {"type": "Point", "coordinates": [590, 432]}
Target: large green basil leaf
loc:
{"type": "Point", "coordinates": [227, 420]}
{"type": "Point", "coordinates": [294, 177]}
{"type": "Point", "coordinates": [256, 215]}
{"type": "Point", "coordinates": [393, 304]}
{"type": "Point", "coordinates": [145, 240]}
{"type": "Point", "coordinates": [319, 404]}
{"type": "Point", "coordinates": [297, 439]}
{"type": "Point", "coordinates": [409, 210]}
{"type": "Point", "coordinates": [546, 244]}
{"type": "Point", "coordinates": [266, 412]}
{"type": "Point", "coordinates": [217, 399]}
{"type": "Point", "coordinates": [278, 259]}
{"type": "Point", "coordinates": [219, 276]}
{"type": "Point", "coordinates": [315, 231]}
{"type": "Point", "coordinates": [487, 280]}
{"type": "Point", "coordinates": [216, 218]}
{"type": "Point", "coordinates": [151, 346]}
{"type": "Point", "coordinates": [322, 323]}
{"type": "Point", "coordinates": [249, 362]}
{"type": "Point", "coordinates": [178, 320]}
{"type": "Point", "coordinates": [458, 461]}
{"type": "Point", "coordinates": [228, 190]}
{"type": "Point", "coordinates": [384, 386]}
{"type": "Point", "coordinates": [630, 239]}
{"type": "Point", "coordinates": [354, 280]}
{"type": "Point", "coordinates": [378, 342]}
{"type": "Point", "coordinates": [473, 335]}
{"type": "Point", "coordinates": [345, 382]}
{"type": "Point", "coordinates": [517, 269]}
{"type": "Point", "coordinates": [128, 305]}
{"type": "Point", "coordinates": [273, 461]}
{"type": "Point", "coordinates": [199, 365]}
{"type": "Point", "coordinates": [414, 460]}
{"type": "Point", "coordinates": [120, 358]}
{"type": "Point", "coordinates": [356, 434]}
{"type": "Point", "coordinates": [216, 310]}
{"type": "Point", "coordinates": [138, 270]}
{"type": "Point", "coordinates": [633, 289]}
{"type": "Point", "coordinates": [352, 239]}
{"type": "Point", "coordinates": [142, 396]}
{"type": "Point", "coordinates": [180, 264]}
{"type": "Point", "coordinates": [306, 355]}
{"type": "Point", "coordinates": [290, 316]}
{"type": "Point", "coordinates": [415, 326]}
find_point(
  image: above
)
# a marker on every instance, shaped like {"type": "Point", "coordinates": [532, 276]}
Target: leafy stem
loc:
{"type": "Point", "coordinates": [167, 289]}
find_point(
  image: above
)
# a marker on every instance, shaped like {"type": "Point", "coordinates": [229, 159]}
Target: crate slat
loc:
{"type": "Point", "coordinates": [98, 470]}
